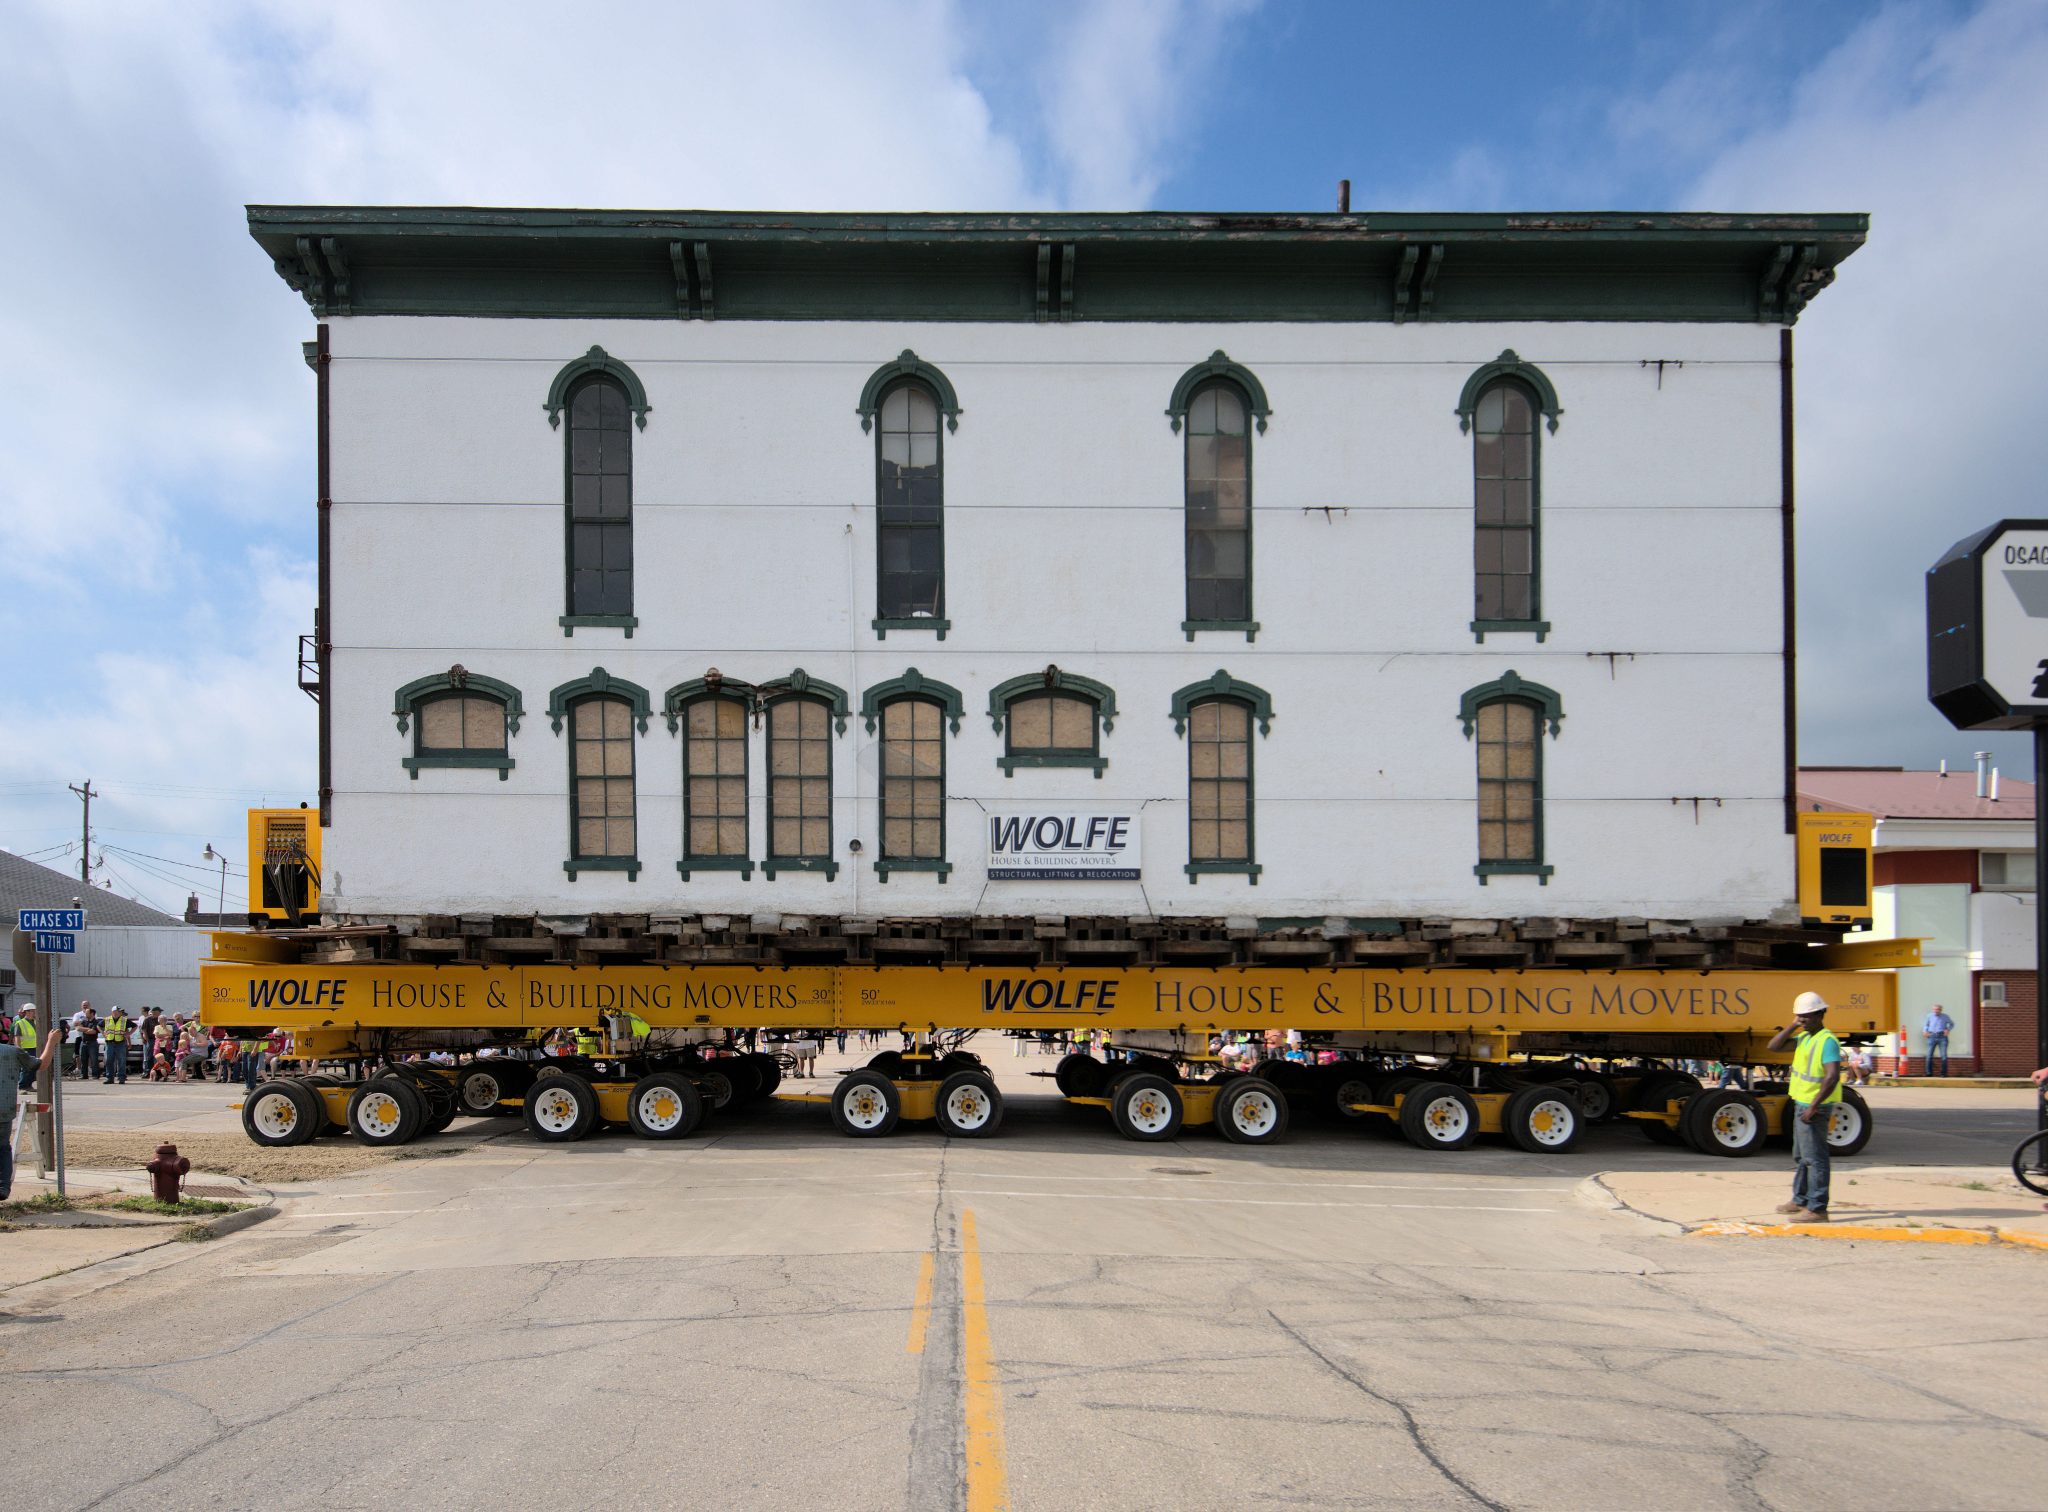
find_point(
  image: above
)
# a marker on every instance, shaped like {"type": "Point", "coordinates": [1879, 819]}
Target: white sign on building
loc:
{"type": "Point", "coordinates": [1063, 845]}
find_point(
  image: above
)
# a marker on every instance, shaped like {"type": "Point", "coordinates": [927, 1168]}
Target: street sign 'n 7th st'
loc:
{"type": "Point", "coordinates": [53, 942]}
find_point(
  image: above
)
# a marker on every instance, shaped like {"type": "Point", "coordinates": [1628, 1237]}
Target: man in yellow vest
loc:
{"type": "Point", "coordinates": [117, 1047]}
{"type": "Point", "coordinates": [1816, 1085]}
{"type": "Point", "coordinates": [25, 1042]}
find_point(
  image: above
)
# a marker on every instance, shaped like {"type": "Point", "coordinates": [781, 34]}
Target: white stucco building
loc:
{"type": "Point", "coordinates": [1344, 567]}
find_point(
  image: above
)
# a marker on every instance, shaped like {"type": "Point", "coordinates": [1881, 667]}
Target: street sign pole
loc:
{"type": "Point", "coordinates": [56, 1071]}
{"type": "Point", "coordinates": [2040, 917]}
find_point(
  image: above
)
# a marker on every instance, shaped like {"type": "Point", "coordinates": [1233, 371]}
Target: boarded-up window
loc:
{"type": "Point", "coordinates": [715, 778]}
{"type": "Point", "coordinates": [1510, 781]}
{"type": "Point", "coordinates": [1219, 505]}
{"type": "Point", "coordinates": [460, 724]}
{"type": "Point", "coordinates": [600, 500]}
{"type": "Point", "coordinates": [909, 506]}
{"type": "Point", "coordinates": [1504, 503]}
{"type": "Point", "coordinates": [1219, 781]}
{"type": "Point", "coordinates": [799, 780]}
{"type": "Point", "coordinates": [601, 777]}
{"type": "Point", "coordinates": [913, 781]}
{"type": "Point", "coordinates": [1051, 724]}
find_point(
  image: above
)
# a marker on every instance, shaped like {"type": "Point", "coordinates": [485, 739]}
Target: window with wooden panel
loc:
{"type": "Point", "coordinates": [910, 511]}
{"type": "Point", "coordinates": [458, 718]}
{"type": "Point", "coordinates": [1219, 507]}
{"type": "Point", "coordinates": [1507, 720]}
{"type": "Point", "coordinates": [1219, 782]}
{"type": "Point", "coordinates": [913, 786]}
{"type": "Point", "coordinates": [714, 733]}
{"type": "Point", "coordinates": [600, 509]}
{"type": "Point", "coordinates": [601, 780]}
{"type": "Point", "coordinates": [1052, 718]}
{"type": "Point", "coordinates": [458, 724]}
{"type": "Point", "coordinates": [800, 785]}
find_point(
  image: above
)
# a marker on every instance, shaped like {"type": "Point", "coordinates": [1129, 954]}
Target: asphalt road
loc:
{"type": "Point", "coordinates": [771, 1316]}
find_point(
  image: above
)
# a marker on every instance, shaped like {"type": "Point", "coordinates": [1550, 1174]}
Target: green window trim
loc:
{"type": "Point", "coordinates": [800, 683]}
{"type": "Point", "coordinates": [482, 760]}
{"type": "Point", "coordinates": [676, 699]}
{"type": "Point", "coordinates": [908, 365]}
{"type": "Point", "coordinates": [1197, 870]}
{"type": "Point", "coordinates": [1219, 365]}
{"type": "Point", "coordinates": [1096, 764]}
{"type": "Point", "coordinates": [599, 682]}
{"type": "Point", "coordinates": [1482, 628]}
{"type": "Point", "coordinates": [1099, 696]}
{"type": "Point", "coordinates": [1250, 628]}
{"type": "Point", "coordinates": [458, 679]}
{"type": "Point", "coordinates": [936, 864]}
{"type": "Point", "coordinates": [913, 684]}
{"type": "Point", "coordinates": [630, 865]}
{"type": "Point", "coordinates": [935, 622]}
{"type": "Point", "coordinates": [742, 864]}
{"type": "Point", "coordinates": [1510, 685]}
{"type": "Point", "coordinates": [1538, 869]}
{"type": "Point", "coordinates": [1508, 365]}
{"type": "Point", "coordinates": [776, 864]}
{"type": "Point", "coordinates": [597, 361]}
{"type": "Point", "coordinates": [626, 622]}
{"type": "Point", "coordinates": [1222, 685]}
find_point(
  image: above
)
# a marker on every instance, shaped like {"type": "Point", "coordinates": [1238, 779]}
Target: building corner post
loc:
{"type": "Point", "coordinates": [1788, 554]}
{"type": "Point", "coordinates": [323, 617]}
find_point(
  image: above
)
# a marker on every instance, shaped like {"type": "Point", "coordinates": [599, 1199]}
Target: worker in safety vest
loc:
{"type": "Point", "coordinates": [25, 1042]}
{"type": "Point", "coordinates": [117, 1047]}
{"type": "Point", "coordinates": [1816, 1086]}
{"type": "Point", "coordinates": [588, 1043]}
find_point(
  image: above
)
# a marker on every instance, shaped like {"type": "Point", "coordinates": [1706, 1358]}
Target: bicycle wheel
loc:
{"type": "Point", "coordinates": [2030, 1163]}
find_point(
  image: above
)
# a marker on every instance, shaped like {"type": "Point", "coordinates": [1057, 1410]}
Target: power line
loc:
{"type": "Point", "coordinates": [197, 866]}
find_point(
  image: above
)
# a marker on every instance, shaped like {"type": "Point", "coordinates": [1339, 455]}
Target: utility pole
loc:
{"type": "Point", "coordinates": [85, 830]}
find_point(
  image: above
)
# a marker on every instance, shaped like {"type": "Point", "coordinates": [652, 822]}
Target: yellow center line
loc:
{"type": "Point", "coordinates": [988, 1487]}
{"type": "Point", "coordinates": [921, 1309]}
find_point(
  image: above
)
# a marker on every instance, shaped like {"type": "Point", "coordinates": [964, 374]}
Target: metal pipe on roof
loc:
{"type": "Point", "coordinates": [1983, 772]}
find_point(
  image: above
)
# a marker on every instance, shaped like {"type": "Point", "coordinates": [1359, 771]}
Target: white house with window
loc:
{"type": "Point", "coordinates": [1320, 566]}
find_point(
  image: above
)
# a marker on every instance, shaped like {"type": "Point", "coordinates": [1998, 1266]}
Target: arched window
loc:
{"type": "Point", "coordinates": [602, 827]}
{"type": "Point", "coordinates": [714, 730]}
{"type": "Point", "coordinates": [1507, 719]}
{"type": "Point", "coordinates": [910, 590]}
{"type": "Point", "coordinates": [913, 786]}
{"type": "Point", "coordinates": [458, 718]}
{"type": "Point", "coordinates": [1219, 509]}
{"type": "Point", "coordinates": [800, 785]}
{"type": "Point", "coordinates": [1217, 717]}
{"type": "Point", "coordinates": [1500, 405]}
{"type": "Point", "coordinates": [600, 508]}
{"type": "Point", "coordinates": [1051, 719]}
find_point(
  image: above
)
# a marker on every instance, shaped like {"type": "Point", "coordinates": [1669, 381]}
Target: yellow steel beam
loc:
{"type": "Point", "coordinates": [1868, 955]}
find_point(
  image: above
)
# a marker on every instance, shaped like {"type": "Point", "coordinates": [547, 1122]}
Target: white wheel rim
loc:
{"type": "Point", "coordinates": [378, 1115]}
{"type": "Point", "coordinates": [660, 1109]}
{"type": "Point", "coordinates": [1353, 1092]}
{"type": "Point", "coordinates": [1845, 1122]}
{"type": "Point", "coordinates": [480, 1089]}
{"type": "Point", "coordinates": [864, 1107]}
{"type": "Point", "coordinates": [1149, 1110]}
{"type": "Point", "coordinates": [1446, 1119]}
{"type": "Point", "coordinates": [275, 1115]}
{"type": "Point", "coordinates": [1733, 1127]}
{"type": "Point", "coordinates": [1551, 1121]}
{"type": "Point", "coordinates": [555, 1110]}
{"type": "Point", "coordinates": [1254, 1113]}
{"type": "Point", "coordinates": [969, 1107]}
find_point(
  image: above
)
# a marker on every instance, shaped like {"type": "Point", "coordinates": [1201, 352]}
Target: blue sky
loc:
{"type": "Point", "coordinates": [156, 436]}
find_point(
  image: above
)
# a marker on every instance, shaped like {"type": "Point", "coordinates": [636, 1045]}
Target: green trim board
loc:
{"type": "Point", "coordinates": [775, 864]}
{"type": "Point", "coordinates": [630, 865]}
{"type": "Point", "coordinates": [1218, 367]}
{"type": "Point", "coordinates": [598, 361]}
{"type": "Point", "coordinates": [478, 759]}
{"type": "Point", "coordinates": [908, 365]}
{"type": "Point", "coordinates": [936, 623]}
{"type": "Point", "coordinates": [937, 864]}
{"type": "Point", "coordinates": [1482, 628]}
{"type": "Point", "coordinates": [1197, 870]}
{"type": "Point", "coordinates": [692, 689]}
{"type": "Point", "coordinates": [1484, 869]}
{"type": "Point", "coordinates": [1192, 628]}
{"type": "Point", "coordinates": [1509, 685]}
{"type": "Point", "coordinates": [458, 679]}
{"type": "Point", "coordinates": [1147, 266]}
{"type": "Point", "coordinates": [913, 684]}
{"type": "Point", "coordinates": [1222, 685]}
{"type": "Point", "coordinates": [600, 683]}
{"type": "Point", "coordinates": [1508, 365]}
{"type": "Point", "coordinates": [625, 622]}
{"type": "Point", "coordinates": [741, 864]}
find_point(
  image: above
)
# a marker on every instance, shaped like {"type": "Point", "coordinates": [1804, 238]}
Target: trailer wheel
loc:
{"type": "Point", "coordinates": [480, 1086]}
{"type": "Point", "coordinates": [560, 1108]}
{"type": "Point", "coordinates": [1439, 1116]}
{"type": "Point", "coordinates": [1651, 1095]}
{"type": "Point", "coordinates": [715, 1087]}
{"type": "Point", "coordinates": [1543, 1120]}
{"type": "Point", "coordinates": [663, 1106]}
{"type": "Point", "coordinates": [1597, 1101]}
{"type": "Point", "coordinates": [1080, 1076]}
{"type": "Point", "coordinates": [282, 1113]}
{"type": "Point", "coordinates": [771, 1073]}
{"type": "Point", "coordinates": [1725, 1122]}
{"type": "Point", "coordinates": [1151, 1065]}
{"type": "Point", "coordinates": [386, 1111]}
{"type": "Point", "coordinates": [1251, 1110]}
{"type": "Point", "coordinates": [866, 1104]}
{"type": "Point", "coordinates": [1351, 1083]}
{"type": "Point", "coordinates": [745, 1075]}
{"type": "Point", "coordinates": [1289, 1076]}
{"type": "Point", "coordinates": [968, 1105]}
{"type": "Point", "coordinates": [1145, 1107]}
{"type": "Point", "coordinates": [1848, 1124]}
{"type": "Point", "coordinates": [888, 1062]}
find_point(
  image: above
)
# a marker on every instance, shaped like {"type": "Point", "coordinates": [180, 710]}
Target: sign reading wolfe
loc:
{"type": "Point", "coordinates": [1044, 845]}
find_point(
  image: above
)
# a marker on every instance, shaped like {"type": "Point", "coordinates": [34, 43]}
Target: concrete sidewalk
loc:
{"type": "Point", "coordinates": [1940, 1203]}
{"type": "Point", "coordinates": [37, 1245]}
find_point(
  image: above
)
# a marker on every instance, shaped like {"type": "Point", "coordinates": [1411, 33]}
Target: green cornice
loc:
{"type": "Point", "coordinates": [1051, 680]}
{"type": "Point", "coordinates": [1149, 266]}
{"type": "Point", "coordinates": [683, 693]}
{"type": "Point", "coordinates": [1223, 685]}
{"type": "Point", "coordinates": [598, 361]}
{"type": "Point", "coordinates": [1508, 365]}
{"type": "Point", "coordinates": [800, 684]}
{"type": "Point", "coordinates": [913, 684]}
{"type": "Point", "coordinates": [908, 365]}
{"type": "Point", "coordinates": [1219, 366]}
{"type": "Point", "coordinates": [1510, 685]}
{"type": "Point", "coordinates": [458, 679]}
{"type": "Point", "coordinates": [599, 682]}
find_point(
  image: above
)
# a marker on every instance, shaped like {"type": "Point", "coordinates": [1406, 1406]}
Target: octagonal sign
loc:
{"type": "Point", "coordinates": [1987, 628]}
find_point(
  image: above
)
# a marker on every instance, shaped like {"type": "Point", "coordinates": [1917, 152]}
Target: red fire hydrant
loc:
{"type": "Point", "coordinates": [166, 1171]}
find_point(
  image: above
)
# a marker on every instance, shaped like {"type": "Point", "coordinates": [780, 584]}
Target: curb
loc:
{"type": "Point", "coordinates": [228, 1223]}
{"type": "Point", "coordinates": [1726, 1229]}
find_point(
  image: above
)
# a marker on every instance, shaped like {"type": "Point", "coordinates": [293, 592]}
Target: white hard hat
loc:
{"type": "Point", "coordinates": [1808, 1002]}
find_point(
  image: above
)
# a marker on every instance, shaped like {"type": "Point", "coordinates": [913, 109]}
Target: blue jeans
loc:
{"type": "Point", "coordinates": [7, 1157]}
{"type": "Point", "coordinates": [1937, 1048]}
{"type": "Point", "coordinates": [1810, 1159]}
{"type": "Point", "coordinates": [250, 1063]}
{"type": "Point", "coordinates": [116, 1069]}
{"type": "Point", "coordinates": [88, 1059]}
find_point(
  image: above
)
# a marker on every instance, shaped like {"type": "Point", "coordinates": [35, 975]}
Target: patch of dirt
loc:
{"type": "Point", "coordinates": [236, 1155]}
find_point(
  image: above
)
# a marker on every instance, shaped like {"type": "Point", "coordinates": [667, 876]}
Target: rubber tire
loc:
{"type": "Point", "coordinates": [1390, 1090]}
{"type": "Point", "coordinates": [959, 1060]}
{"type": "Point", "coordinates": [1151, 1065]}
{"type": "Point", "coordinates": [1237, 1091]}
{"type": "Point", "coordinates": [1700, 1112]}
{"type": "Point", "coordinates": [888, 1062]}
{"type": "Point", "coordinates": [1517, 1117]}
{"type": "Point", "coordinates": [682, 1089]}
{"type": "Point", "coordinates": [1343, 1082]}
{"type": "Point", "coordinates": [1128, 1089]}
{"type": "Point", "coordinates": [1651, 1096]}
{"type": "Point", "coordinates": [771, 1073]}
{"type": "Point", "coordinates": [2032, 1151]}
{"type": "Point", "coordinates": [1853, 1146]}
{"type": "Point", "coordinates": [586, 1107]}
{"type": "Point", "coordinates": [1080, 1076]}
{"type": "Point", "coordinates": [1607, 1103]}
{"type": "Point", "coordinates": [892, 1102]}
{"type": "Point", "coordinates": [1415, 1127]}
{"type": "Point", "coordinates": [977, 1078]}
{"type": "Point", "coordinates": [412, 1112]}
{"type": "Point", "coordinates": [487, 1079]}
{"type": "Point", "coordinates": [714, 1086]}
{"type": "Point", "coordinates": [307, 1114]}
{"type": "Point", "coordinates": [1289, 1076]}
{"type": "Point", "coordinates": [744, 1072]}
